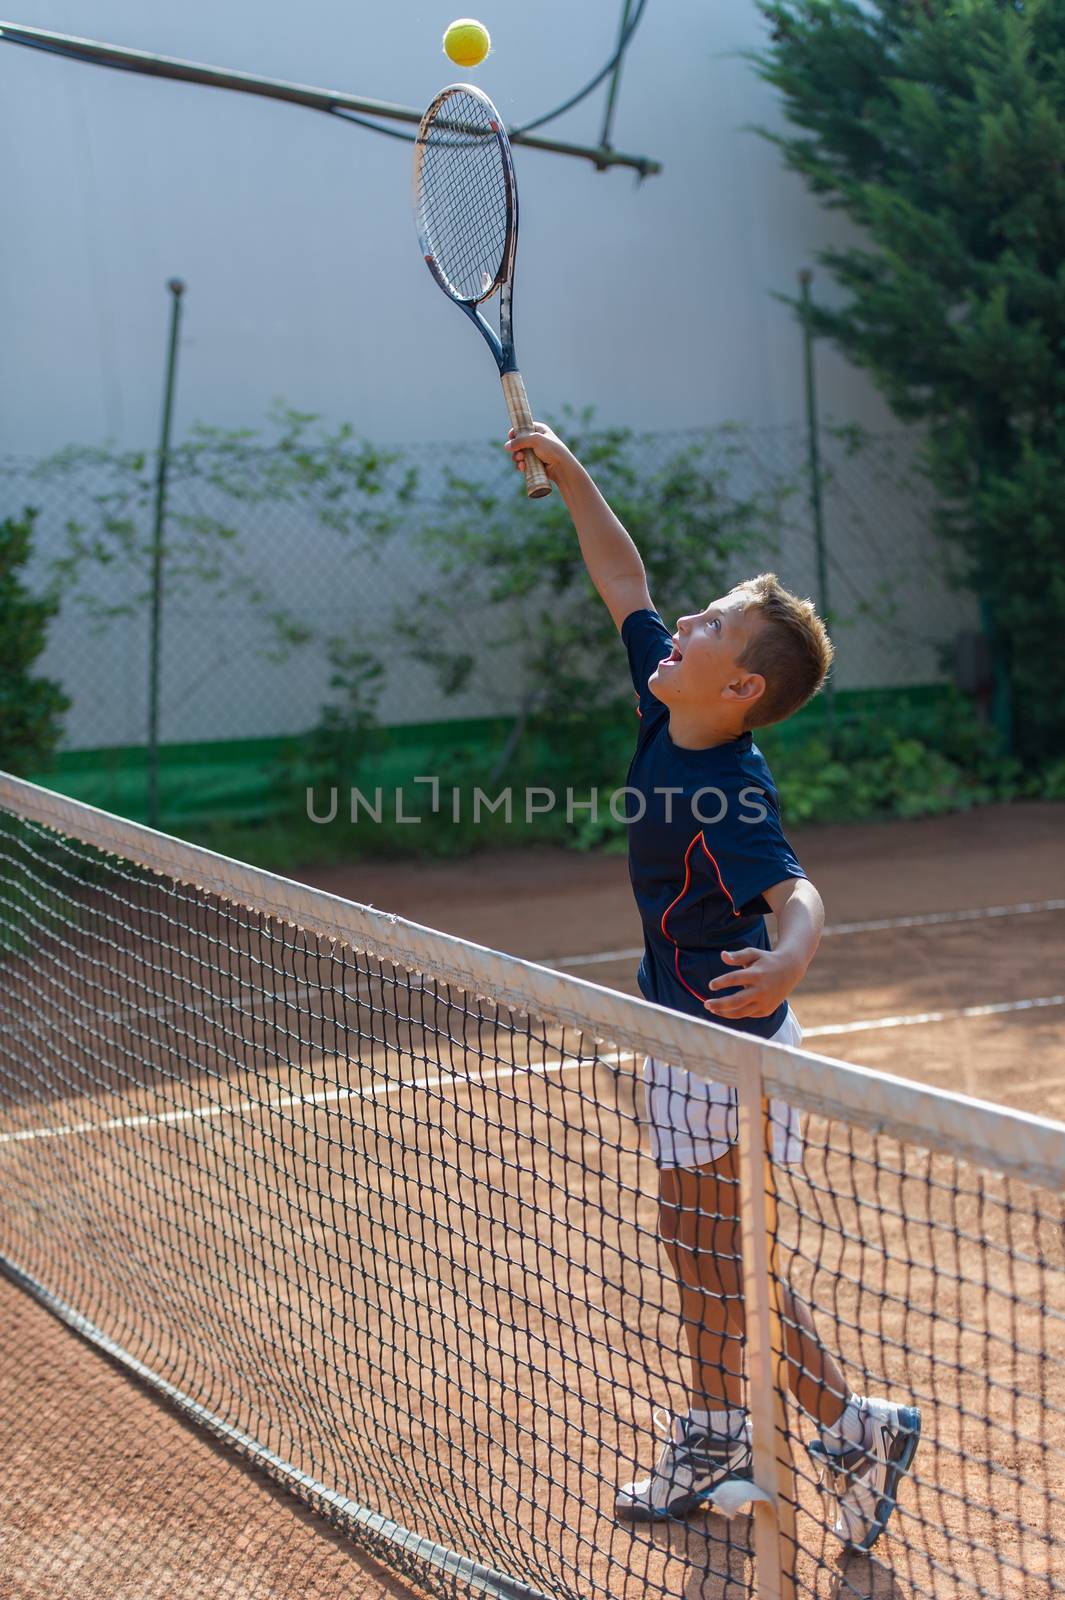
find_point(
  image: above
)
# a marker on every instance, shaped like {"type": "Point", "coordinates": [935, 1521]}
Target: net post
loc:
{"type": "Point", "coordinates": [775, 1546]}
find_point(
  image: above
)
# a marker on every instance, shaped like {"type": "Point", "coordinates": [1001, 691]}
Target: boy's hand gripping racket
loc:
{"type": "Point", "coordinates": [466, 208]}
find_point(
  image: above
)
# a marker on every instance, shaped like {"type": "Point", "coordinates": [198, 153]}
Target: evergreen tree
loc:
{"type": "Point", "coordinates": [938, 128]}
{"type": "Point", "coordinates": [31, 708]}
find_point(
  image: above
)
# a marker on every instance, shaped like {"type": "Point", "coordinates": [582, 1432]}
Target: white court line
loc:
{"type": "Point", "coordinates": [392, 1086]}
{"type": "Point", "coordinates": [914, 1019]}
{"type": "Point", "coordinates": [324, 1097]}
{"type": "Point", "coordinates": [425, 983]}
{"type": "Point", "coordinates": [928, 919]}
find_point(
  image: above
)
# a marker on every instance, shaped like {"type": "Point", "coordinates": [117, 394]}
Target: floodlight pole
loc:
{"type": "Point", "coordinates": [176, 288]}
{"type": "Point", "coordinates": [608, 115]}
{"type": "Point", "coordinates": [352, 107]}
{"type": "Point", "coordinates": [814, 453]}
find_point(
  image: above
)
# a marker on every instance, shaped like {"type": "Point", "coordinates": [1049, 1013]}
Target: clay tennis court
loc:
{"type": "Point", "coordinates": [113, 1496]}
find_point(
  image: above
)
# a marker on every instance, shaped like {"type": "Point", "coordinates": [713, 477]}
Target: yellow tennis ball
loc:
{"type": "Point", "coordinates": [467, 42]}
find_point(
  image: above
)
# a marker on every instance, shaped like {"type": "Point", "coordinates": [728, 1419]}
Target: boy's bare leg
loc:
{"type": "Point", "coordinates": [699, 1224]}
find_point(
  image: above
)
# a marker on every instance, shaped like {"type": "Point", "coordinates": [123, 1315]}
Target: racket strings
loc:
{"type": "Point", "coordinates": [463, 209]}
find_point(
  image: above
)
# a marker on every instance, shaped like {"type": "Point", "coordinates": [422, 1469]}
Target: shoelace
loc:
{"type": "Point", "coordinates": [838, 1471]}
{"type": "Point", "coordinates": [662, 1424]}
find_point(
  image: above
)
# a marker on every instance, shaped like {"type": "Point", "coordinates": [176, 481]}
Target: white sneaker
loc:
{"type": "Point", "coordinates": [863, 1479]}
{"type": "Point", "coordinates": [692, 1465]}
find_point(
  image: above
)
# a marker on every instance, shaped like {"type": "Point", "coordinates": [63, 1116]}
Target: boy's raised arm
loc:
{"type": "Point", "coordinates": [613, 561]}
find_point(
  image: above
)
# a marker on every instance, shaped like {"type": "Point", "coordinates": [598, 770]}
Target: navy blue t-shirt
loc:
{"type": "Point", "coordinates": [701, 856]}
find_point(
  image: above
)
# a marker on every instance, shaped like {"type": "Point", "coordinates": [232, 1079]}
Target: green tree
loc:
{"type": "Point", "coordinates": [31, 708]}
{"type": "Point", "coordinates": [938, 129]}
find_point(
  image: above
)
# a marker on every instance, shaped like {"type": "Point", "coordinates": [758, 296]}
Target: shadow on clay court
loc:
{"type": "Point", "coordinates": [854, 1574]}
{"type": "Point", "coordinates": [718, 1553]}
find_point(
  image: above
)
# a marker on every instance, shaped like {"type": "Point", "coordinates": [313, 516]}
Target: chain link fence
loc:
{"type": "Point", "coordinates": [275, 558]}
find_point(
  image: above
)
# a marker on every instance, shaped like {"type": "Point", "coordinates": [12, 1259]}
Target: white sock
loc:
{"type": "Point", "coordinates": [849, 1427]}
{"type": "Point", "coordinates": [727, 1424]}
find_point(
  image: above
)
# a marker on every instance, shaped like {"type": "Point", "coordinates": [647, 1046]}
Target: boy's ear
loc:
{"type": "Point", "coordinates": [746, 689]}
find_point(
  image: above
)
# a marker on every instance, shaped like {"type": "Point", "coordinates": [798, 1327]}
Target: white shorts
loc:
{"type": "Point", "coordinates": [693, 1122]}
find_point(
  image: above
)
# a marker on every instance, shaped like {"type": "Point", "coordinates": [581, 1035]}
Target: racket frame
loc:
{"type": "Point", "coordinates": [501, 344]}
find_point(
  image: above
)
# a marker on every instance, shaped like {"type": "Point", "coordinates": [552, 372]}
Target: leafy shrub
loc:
{"type": "Point", "coordinates": [31, 708]}
{"type": "Point", "coordinates": [896, 760]}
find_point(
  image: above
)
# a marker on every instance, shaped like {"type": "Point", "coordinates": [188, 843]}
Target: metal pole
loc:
{"type": "Point", "coordinates": [814, 451]}
{"type": "Point", "coordinates": [177, 289]}
{"type": "Point", "coordinates": [1001, 699]}
{"type": "Point", "coordinates": [608, 115]}
{"type": "Point", "coordinates": [299, 94]}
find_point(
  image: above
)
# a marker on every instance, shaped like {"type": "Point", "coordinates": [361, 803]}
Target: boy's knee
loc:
{"type": "Point", "coordinates": [697, 1222]}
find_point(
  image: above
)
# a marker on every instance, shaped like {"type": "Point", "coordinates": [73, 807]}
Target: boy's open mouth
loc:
{"type": "Point", "coordinates": [674, 656]}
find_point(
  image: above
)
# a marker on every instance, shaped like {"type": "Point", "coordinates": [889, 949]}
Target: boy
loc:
{"type": "Point", "coordinates": [707, 860]}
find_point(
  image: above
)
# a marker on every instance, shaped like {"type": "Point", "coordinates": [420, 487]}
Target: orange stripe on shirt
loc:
{"type": "Point", "coordinates": [678, 898]}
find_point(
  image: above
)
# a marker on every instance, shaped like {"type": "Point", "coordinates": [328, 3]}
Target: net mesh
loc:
{"type": "Point", "coordinates": [462, 198]}
{"type": "Point", "coordinates": [944, 1285]}
{"type": "Point", "coordinates": [397, 1235]}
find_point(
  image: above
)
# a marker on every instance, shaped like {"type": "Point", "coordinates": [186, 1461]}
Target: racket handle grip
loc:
{"type": "Point", "coordinates": [537, 482]}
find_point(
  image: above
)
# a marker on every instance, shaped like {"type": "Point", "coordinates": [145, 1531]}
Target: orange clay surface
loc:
{"type": "Point", "coordinates": [109, 1496]}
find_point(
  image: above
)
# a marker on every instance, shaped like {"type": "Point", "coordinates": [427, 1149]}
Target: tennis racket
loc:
{"type": "Point", "coordinates": [466, 209]}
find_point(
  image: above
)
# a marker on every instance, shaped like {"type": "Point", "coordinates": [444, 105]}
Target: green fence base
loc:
{"type": "Point", "coordinates": [242, 780]}
{"type": "Point", "coordinates": [239, 780]}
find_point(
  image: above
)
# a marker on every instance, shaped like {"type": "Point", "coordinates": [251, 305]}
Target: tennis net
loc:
{"type": "Point", "coordinates": [376, 1207]}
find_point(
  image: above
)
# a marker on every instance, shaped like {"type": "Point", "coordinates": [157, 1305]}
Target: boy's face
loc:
{"type": "Point", "coordinates": [703, 670]}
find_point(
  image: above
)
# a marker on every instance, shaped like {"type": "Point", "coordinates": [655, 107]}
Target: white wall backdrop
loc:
{"type": "Point", "coordinates": [653, 302]}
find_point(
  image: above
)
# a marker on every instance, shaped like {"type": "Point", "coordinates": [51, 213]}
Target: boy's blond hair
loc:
{"type": "Point", "coordinates": [791, 650]}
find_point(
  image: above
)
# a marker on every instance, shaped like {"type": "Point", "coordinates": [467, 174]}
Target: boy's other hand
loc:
{"type": "Point", "coordinates": [763, 980]}
{"type": "Point", "coordinates": [544, 444]}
